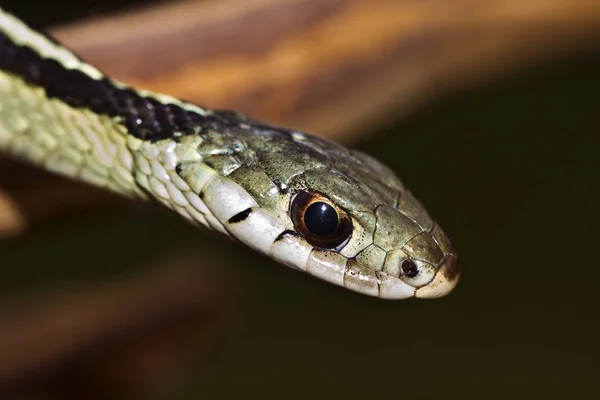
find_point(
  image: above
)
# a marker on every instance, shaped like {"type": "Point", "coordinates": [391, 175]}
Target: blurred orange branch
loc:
{"type": "Point", "coordinates": [335, 67]}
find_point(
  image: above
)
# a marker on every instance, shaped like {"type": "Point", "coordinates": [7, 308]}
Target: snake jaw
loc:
{"type": "Point", "coordinates": [393, 288]}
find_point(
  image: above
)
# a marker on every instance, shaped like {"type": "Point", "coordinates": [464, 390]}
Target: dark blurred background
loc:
{"type": "Point", "coordinates": [509, 169]}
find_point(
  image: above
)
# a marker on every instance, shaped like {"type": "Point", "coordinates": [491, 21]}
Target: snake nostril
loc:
{"type": "Point", "coordinates": [409, 268]}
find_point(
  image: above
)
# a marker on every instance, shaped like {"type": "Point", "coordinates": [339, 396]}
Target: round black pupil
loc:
{"type": "Point", "coordinates": [320, 219]}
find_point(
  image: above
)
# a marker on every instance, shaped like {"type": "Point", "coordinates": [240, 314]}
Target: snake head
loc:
{"type": "Point", "coordinates": [368, 233]}
{"type": "Point", "coordinates": [317, 207]}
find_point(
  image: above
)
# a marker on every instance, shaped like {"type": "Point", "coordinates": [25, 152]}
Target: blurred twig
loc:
{"type": "Point", "coordinates": [30, 196]}
{"type": "Point", "coordinates": [129, 336]}
{"type": "Point", "coordinates": [11, 219]}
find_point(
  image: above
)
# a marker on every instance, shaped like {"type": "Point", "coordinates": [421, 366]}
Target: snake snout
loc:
{"type": "Point", "coordinates": [445, 281]}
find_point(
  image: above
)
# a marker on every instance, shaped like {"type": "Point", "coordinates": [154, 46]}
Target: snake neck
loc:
{"type": "Point", "coordinates": [64, 115]}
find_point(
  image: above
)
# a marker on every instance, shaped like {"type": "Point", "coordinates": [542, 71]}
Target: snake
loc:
{"type": "Point", "coordinates": [306, 202]}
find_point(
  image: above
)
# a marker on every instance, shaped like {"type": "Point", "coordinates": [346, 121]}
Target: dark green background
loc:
{"type": "Point", "coordinates": [509, 169]}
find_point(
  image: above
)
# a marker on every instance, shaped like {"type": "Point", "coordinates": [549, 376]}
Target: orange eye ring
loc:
{"type": "Point", "coordinates": [320, 221]}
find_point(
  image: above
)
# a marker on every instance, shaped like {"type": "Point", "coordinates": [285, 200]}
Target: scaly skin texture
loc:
{"type": "Point", "coordinates": [223, 171]}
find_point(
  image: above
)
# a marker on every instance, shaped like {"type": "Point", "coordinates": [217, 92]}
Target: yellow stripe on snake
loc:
{"type": "Point", "coordinates": [308, 203]}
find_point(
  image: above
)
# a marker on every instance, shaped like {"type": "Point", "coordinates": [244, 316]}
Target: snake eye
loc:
{"type": "Point", "coordinates": [320, 221]}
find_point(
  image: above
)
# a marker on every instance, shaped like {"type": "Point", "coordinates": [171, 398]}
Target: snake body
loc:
{"type": "Point", "coordinates": [308, 203]}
